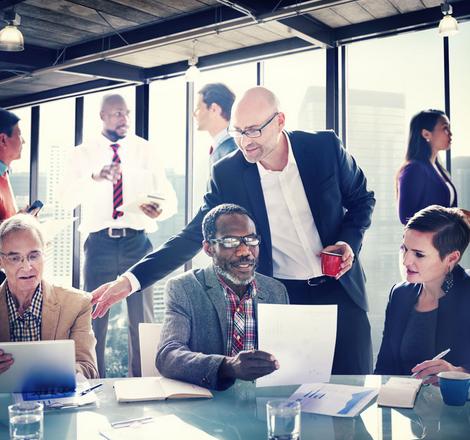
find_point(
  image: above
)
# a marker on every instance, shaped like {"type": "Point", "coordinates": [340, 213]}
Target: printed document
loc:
{"type": "Point", "coordinates": [333, 399]}
{"type": "Point", "coordinates": [302, 339]}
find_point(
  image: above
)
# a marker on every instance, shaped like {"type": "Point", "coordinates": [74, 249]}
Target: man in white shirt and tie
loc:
{"type": "Point", "coordinates": [102, 175]}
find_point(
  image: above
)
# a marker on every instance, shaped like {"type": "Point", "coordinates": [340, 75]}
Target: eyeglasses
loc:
{"type": "Point", "coordinates": [234, 242]}
{"type": "Point", "coordinates": [17, 259]}
{"type": "Point", "coordinates": [251, 132]}
{"type": "Point", "coordinates": [120, 114]}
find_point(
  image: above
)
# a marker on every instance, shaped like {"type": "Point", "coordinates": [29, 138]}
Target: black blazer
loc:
{"type": "Point", "coordinates": [453, 324]}
{"type": "Point", "coordinates": [336, 191]}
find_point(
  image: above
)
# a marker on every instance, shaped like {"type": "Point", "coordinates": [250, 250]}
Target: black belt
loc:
{"type": "Point", "coordinates": [118, 232]}
{"type": "Point", "coordinates": [312, 282]}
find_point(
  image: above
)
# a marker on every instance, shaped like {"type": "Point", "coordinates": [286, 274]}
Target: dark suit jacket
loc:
{"type": "Point", "coordinates": [226, 147]}
{"type": "Point", "coordinates": [193, 341]}
{"type": "Point", "coordinates": [453, 324]}
{"type": "Point", "coordinates": [336, 191]}
{"type": "Point", "coordinates": [419, 186]}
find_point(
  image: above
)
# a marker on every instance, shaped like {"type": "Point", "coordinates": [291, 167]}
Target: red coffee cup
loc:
{"type": "Point", "coordinates": [330, 263]}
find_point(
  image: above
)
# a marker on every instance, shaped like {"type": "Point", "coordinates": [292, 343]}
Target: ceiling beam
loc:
{"type": "Point", "coordinates": [61, 92]}
{"type": "Point", "coordinates": [311, 30]}
{"type": "Point", "coordinates": [108, 69]}
{"type": "Point", "coordinates": [422, 19]}
{"type": "Point", "coordinates": [245, 54]}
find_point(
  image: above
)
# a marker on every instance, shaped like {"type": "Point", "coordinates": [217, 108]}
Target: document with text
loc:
{"type": "Point", "coordinates": [301, 337]}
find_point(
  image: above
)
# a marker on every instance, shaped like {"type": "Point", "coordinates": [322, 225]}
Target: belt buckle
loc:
{"type": "Point", "coordinates": [312, 282]}
{"type": "Point", "coordinates": [121, 234]}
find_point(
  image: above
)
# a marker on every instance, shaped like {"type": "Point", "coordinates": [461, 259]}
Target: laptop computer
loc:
{"type": "Point", "coordinates": [39, 367]}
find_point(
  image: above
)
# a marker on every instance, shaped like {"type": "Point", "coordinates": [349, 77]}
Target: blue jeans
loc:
{"type": "Point", "coordinates": [105, 259]}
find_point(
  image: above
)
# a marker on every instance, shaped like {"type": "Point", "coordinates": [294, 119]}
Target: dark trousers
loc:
{"type": "Point", "coordinates": [105, 259]}
{"type": "Point", "coordinates": [353, 350]}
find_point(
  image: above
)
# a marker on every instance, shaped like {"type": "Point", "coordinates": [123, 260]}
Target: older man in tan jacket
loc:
{"type": "Point", "coordinates": [31, 309]}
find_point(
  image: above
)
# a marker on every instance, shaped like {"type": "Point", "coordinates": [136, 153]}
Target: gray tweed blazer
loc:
{"type": "Point", "coordinates": [194, 336]}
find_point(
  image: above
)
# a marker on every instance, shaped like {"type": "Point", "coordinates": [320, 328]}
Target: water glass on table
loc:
{"type": "Point", "coordinates": [283, 418]}
{"type": "Point", "coordinates": [26, 421]}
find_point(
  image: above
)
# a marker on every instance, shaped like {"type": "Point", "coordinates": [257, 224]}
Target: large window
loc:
{"type": "Point", "coordinates": [390, 79]}
{"type": "Point", "coordinates": [459, 99]}
{"type": "Point", "coordinates": [299, 83]}
{"type": "Point", "coordinates": [20, 168]}
{"type": "Point", "coordinates": [167, 131]}
{"type": "Point", "coordinates": [56, 135]}
{"type": "Point", "coordinates": [238, 79]}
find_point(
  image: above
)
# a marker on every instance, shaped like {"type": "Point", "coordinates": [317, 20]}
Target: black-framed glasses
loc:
{"type": "Point", "coordinates": [17, 259]}
{"type": "Point", "coordinates": [234, 242]}
{"type": "Point", "coordinates": [251, 132]}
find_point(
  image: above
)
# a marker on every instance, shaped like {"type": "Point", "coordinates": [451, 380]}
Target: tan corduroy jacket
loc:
{"type": "Point", "coordinates": [66, 314]}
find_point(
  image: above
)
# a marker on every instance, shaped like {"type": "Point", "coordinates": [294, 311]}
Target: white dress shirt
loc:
{"type": "Point", "coordinates": [143, 172]}
{"type": "Point", "coordinates": [294, 235]}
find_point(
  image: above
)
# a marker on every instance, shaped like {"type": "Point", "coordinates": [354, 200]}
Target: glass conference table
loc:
{"type": "Point", "coordinates": [239, 414]}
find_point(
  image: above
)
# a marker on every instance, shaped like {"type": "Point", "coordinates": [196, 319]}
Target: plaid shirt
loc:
{"type": "Point", "coordinates": [241, 319]}
{"type": "Point", "coordinates": [28, 326]}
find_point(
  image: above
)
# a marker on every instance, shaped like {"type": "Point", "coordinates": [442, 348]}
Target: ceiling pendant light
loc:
{"type": "Point", "coordinates": [192, 74]}
{"type": "Point", "coordinates": [448, 25]}
{"type": "Point", "coordinates": [11, 38]}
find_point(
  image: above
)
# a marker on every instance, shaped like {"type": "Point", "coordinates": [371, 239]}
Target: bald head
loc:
{"type": "Point", "coordinates": [115, 116]}
{"type": "Point", "coordinates": [260, 99]}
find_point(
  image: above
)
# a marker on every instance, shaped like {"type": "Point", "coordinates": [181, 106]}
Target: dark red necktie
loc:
{"type": "Point", "coordinates": [117, 187]}
{"type": "Point", "coordinates": [211, 150]}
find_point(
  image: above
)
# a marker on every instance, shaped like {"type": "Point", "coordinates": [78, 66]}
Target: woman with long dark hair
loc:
{"type": "Point", "coordinates": [422, 180]}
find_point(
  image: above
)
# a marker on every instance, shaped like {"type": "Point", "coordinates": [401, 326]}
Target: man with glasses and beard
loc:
{"type": "Point", "coordinates": [209, 334]}
{"type": "Point", "coordinates": [103, 174]}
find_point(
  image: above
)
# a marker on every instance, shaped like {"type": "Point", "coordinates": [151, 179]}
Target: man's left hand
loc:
{"type": "Point", "coordinates": [347, 256]}
{"type": "Point", "coordinates": [153, 210]}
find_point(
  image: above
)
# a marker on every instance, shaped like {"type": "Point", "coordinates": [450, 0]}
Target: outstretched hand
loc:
{"type": "Point", "coordinates": [108, 294]}
{"type": "Point", "coordinates": [248, 365]}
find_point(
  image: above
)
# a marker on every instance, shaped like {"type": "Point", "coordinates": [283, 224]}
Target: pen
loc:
{"type": "Point", "coordinates": [90, 389]}
{"type": "Point", "coordinates": [125, 423]}
{"type": "Point", "coordinates": [435, 358]}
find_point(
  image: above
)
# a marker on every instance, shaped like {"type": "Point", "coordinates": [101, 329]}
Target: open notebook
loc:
{"type": "Point", "coordinates": [157, 388]}
{"type": "Point", "coordinates": [399, 392]}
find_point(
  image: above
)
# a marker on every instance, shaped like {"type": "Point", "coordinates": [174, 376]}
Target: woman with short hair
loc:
{"type": "Point", "coordinates": [430, 312]}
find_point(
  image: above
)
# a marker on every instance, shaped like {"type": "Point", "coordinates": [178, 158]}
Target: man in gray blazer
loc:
{"type": "Point", "coordinates": [209, 334]}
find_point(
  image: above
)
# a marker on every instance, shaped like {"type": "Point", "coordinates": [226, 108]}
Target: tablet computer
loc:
{"type": "Point", "coordinates": [39, 367]}
{"type": "Point", "coordinates": [133, 207]}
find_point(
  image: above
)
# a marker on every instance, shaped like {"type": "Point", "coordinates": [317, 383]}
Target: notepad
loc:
{"type": "Point", "coordinates": [399, 392]}
{"type": "Point", "coordinates": [157, 388]}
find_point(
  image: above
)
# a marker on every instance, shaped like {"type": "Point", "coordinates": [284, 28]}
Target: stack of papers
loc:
{"type": "Point", "coordinates": [333, 399]}
{"type": "Point", "coordinates": [159, 428]}
{"type": "Point", "coordinates": [399, 392]}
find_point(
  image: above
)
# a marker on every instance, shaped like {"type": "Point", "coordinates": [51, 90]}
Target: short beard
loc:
{"type": "Point", "coordinates": [113, 136]}
{"type": "Point", "coordinates": [234, 280]}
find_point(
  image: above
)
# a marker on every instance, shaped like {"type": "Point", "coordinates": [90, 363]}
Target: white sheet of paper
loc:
{"type": "Point", "coordinates": [333, 399]}
{"type": "Point", "coordinates": [301, 337]}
